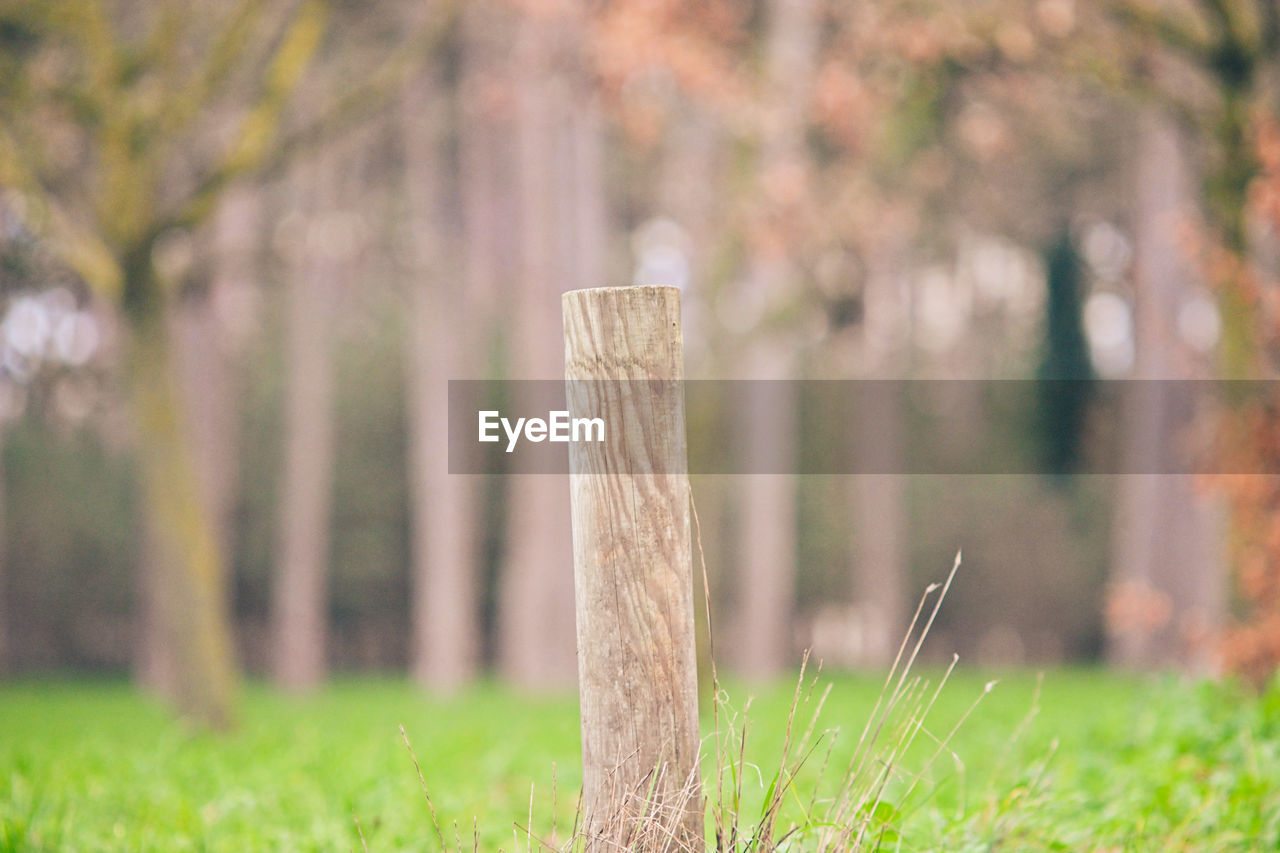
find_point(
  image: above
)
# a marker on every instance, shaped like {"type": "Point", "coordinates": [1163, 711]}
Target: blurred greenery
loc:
{"type": "Point", "coordinates": [70, 528]}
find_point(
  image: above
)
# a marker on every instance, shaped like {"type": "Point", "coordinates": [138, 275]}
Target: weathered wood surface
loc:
{"type": "Point", "coordinates": [632, 562]}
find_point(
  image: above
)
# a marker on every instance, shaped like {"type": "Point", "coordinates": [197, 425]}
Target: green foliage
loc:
{"type": "Point", "coordinates": [1106, 762]}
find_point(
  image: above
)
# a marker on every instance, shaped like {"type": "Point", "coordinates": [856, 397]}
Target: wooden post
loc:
{"type": "Point", "coordinates": [637, 664]}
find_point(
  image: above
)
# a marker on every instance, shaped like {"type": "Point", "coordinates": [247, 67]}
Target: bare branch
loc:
{"type": "Point", "coordinates": [359, 102]}
{"type": "Point", "coordinates": [89, 27]}
{"type": "Point", "coordinates": [80, 249]}
{"type": "Point", "coordinates": [227, 52]}
{"type": "Point", "coordinates": [259, 128]}
{"type": "Point", "coordinates": [289, 63]}
{"type": "Point", "coordinates": [369, 96]}
{"type": "Point", "coordinates": [164, 40]}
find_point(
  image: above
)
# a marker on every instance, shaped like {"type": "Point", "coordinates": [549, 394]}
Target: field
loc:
{"type": "Point", "coordinates": [1086, 761]}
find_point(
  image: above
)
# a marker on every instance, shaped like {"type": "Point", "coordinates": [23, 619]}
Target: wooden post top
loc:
{"type": "Point", "coordinates": [623, 333]}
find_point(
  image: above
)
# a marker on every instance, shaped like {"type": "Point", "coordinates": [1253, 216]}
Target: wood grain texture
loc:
{"type": "Point", "coordinates": [637, 664]}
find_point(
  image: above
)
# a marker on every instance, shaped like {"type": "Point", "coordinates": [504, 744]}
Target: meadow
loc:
{"type": "Point", "coordinates": [1064, 760]}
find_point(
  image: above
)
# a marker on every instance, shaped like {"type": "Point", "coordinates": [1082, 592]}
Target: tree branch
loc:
{"type": "Point", "coordinates": [259, 127]}
{"type": "Point", "coordinates": [362, 100]}
{"type": "Point", "coordinates": [88, 26]}
{"type": "Point", "coordinates": [81, 250]}
{"type": "Point", "coordinates": [225, 55]}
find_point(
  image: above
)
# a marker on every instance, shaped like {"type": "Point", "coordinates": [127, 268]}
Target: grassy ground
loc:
{"type": "Point", "coordinates": [1106, 763]}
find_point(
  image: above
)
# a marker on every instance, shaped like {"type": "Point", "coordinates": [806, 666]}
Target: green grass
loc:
{"type": "Point", "coordinates": [1107, 763]}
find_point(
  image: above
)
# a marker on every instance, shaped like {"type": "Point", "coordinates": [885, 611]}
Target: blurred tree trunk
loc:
{"type": "Point", "coordinates": [208, 345]}
{"type": "Point", "coordinates": [441, 337]}
{"type": "Point", "coordinates": [207, 376]}
{"type": "Point", "coordinates": [879, 499]}
{"type": "Point", "coordinates": [768, 516]}
{"type": "Point", "coordinates": [306, 488]}
{"type": "Point", "coordinates": [561, 248]}
{"type": "Point", "coordinates": [153, 664]}
{"type": "Point", "coordinates": [688, 193]}
{"type": "Point", "coordinates": [486, 155]}
{"type": "Point", "coordinates": [181, 554]}
{"type": "Point", "coordinates": [1169, 582]}
{"type": "Point", "coordinates": [203, 384]}
{"type": "Point", "coordinates": [769, 501]}
{"type": "Point", "coordinates": [879, 543]}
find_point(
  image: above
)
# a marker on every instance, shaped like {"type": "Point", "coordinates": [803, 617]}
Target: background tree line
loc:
{"type": "Point", "coordinates": [244, 250]}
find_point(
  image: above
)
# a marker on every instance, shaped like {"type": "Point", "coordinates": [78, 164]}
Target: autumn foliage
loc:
{"type": "Point", "coordinates": [1250, 442]}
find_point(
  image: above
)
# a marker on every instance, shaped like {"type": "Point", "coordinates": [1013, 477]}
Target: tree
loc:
{"type": "Point", "coordinates": [561, 227]}
{"type": "Point", "coordinates": [441, 345]}
{"type": "Point", "coordinates": [317, 272]}
{"type": "Point", "coordinates": [1252, 454]}
{"type": "Point", "coordinates": [1232, 50]}
{"type": "Point", "coordinates": [1168, 581]}
{"type": "Point", "coordinates": [132, 96]}
{"type": "Point", "coordinates": [210, 336]}
{"type": "Point", "coordinates": [206, 350]}
{"type": "Point", "coordinates": [768, 508]}
{"type": "Point", "coordinates": [879, 567]}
